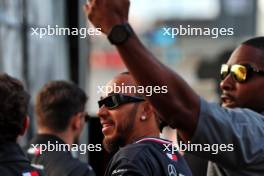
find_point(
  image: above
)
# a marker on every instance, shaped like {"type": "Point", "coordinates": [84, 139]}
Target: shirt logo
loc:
{"type": "Point", "coordinates": [118, 171]}
{"type": "Point", "coordinates": [171, 170]}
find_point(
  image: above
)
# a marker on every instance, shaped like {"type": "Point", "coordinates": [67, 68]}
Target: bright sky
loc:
{"type": "Point", "coordinates": [195, 9]}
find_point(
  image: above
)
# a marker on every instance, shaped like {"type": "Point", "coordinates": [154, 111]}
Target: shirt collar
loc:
{"type": "Point", "coordinates": [11, 152]}
{"type": "Point", "coordinates": [153, 139]}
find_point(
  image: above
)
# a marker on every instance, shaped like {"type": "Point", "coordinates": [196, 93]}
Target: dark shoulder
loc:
{"type": "Point", "coordinates": [130, 160]}
{"type": "Point", "coordinates": [75, 165]}
{"type": "Point", "coordinates": [133, 151]}
{"type": "Point", "coordinates": [82, 169]}
{"type": "Point", "coordinates": [62, 162]}
{"type": "Point", "coordinates": [56, 162]}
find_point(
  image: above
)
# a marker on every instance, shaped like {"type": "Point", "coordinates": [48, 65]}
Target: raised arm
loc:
{"type": "Point", "coordinates": [180, 106]}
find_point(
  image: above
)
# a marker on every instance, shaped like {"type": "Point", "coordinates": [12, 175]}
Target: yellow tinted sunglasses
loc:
{"type": "Point", "coordinates": [239, 72]}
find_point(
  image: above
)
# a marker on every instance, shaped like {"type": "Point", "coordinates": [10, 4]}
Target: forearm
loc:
{"type": "Point", "coordinates": [180, 106]}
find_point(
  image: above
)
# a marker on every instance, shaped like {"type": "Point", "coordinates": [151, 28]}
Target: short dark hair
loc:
{"type": "Point", "coordinates": [57, 102]}
{"type": "Point", "coordinates": [14, 101]}
{"type": "Point", "coordinates": [161, 124]}
{"type": "Point", "coordinates": [256, 42]}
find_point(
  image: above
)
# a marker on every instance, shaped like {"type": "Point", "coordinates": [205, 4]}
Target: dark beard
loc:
{"type": "Point", "coordinates": [113, 144]}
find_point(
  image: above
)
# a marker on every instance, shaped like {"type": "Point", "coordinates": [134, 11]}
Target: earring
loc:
{"type": "Point", "coordinates": [143, 118]}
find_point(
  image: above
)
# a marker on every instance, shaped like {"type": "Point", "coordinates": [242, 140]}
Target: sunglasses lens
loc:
{"type": "Point", "coordinates": [108, 102]}
{"type": "Point", "coordinates": [239, 72]}
{"type": "Point", "coordinates": [224, 71]}
{"type": "Point", "coordinates": [115, 100]}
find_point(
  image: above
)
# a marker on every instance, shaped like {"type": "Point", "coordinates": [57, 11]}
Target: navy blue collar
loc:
{"type": "Point", "coordinates": [12, 152]}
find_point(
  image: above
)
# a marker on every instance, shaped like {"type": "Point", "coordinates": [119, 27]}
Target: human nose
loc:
{"type": "Point", "coordinates": [227, 83]}
{"type": "Point", "coordinates": [102, 112]}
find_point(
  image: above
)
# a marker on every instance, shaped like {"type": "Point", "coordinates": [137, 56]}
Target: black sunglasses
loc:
{"type": "Point", "coordinates": [115, 100]}
{"type": "Point", "coordinates": [240, 72]}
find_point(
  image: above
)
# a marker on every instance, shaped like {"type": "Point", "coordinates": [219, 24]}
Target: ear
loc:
{"type": "Point", "coordinates": [148, 110]}
{"type": "Point", "coordinates": [76, 121]}
{"type": "Point", "coordinates": [25, 125]}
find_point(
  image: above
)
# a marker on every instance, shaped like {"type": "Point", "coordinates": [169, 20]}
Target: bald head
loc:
{"type": "Point", "coordinates": [257, 43]}
{"type": "Point", "coordinates": [123, 83]}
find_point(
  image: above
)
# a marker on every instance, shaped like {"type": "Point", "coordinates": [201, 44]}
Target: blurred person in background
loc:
{"type": "Point", "coordinates": [240, 119]}
{"type": "Point", "coordinates": [14, 121]}
{"type": "Point", "coordinates": [131, 128]}
{"type": "Point", "coordinates": [61, 116]}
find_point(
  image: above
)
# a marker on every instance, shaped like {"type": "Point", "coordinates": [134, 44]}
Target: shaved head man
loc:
{"type": "Point", "coordinates": [129, 121]}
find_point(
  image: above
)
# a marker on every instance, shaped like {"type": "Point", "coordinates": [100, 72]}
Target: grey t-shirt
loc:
{"type": "Point", "coordinates": [243, 128]}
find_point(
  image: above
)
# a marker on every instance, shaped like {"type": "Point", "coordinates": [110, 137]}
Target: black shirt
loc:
{"type": "Point", "coordinates": [13, 161]}
{"type": "Point", "coordinates": [147, 157]}
{"type": "Point", "coordinates": [57, 163]}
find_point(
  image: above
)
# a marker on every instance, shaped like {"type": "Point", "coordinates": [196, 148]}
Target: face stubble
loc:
{"type": "Point", "coordinates": [112, 144]}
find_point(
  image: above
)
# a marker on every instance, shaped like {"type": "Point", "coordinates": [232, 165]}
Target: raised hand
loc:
{"type": "Point", "coordinates": [105, 14]}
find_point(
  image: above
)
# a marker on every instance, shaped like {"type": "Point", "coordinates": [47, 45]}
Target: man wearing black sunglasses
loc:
{"type": "Point", "coordinates": [61, 116]}
{"type": "Point", "coordinates": [196, 119]}
{"type": "Point", "coordinates": [130, 122]}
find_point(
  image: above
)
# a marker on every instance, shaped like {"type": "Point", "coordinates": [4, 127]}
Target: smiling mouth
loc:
{"type": "Point", "coordinates": [107, 128]}
{"type": "Point", "coordinates": [227, 101]}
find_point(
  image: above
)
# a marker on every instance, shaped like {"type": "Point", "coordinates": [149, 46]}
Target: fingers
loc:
{"type": "Point", "coordinates": [105, 14]}
{"type": "Point", "coordinates": [98, 1]}
{"type": "Point", "coordinates": [90, 1]}
{"type": "Point", "coordinates": [95, 2]}
{"type": "Point", "coordinates": [86, 9]}
{"type": "Point", "coordinates": [90, 5]}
